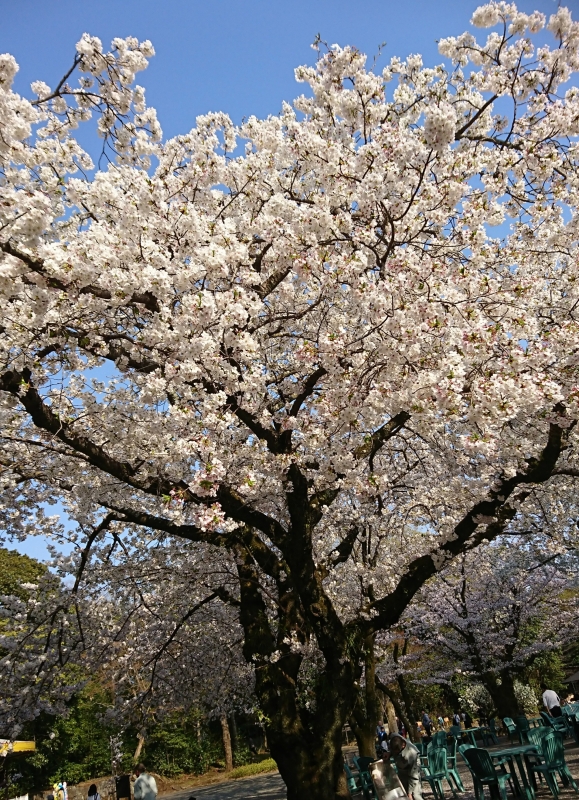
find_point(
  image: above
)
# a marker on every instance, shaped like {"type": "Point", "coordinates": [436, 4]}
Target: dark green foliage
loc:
{"type": "Point", "coordinates": [77, 748]}
{"type": "Point", "coordinates": [548, 667]}
{"type": "Point", "coordinates": [174, 748]}
{"type": "Point", "coordinates": [16, 569]}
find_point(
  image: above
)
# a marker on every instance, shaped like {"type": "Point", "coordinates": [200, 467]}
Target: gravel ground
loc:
{"type": "Point", "coordinates": [271, 786]}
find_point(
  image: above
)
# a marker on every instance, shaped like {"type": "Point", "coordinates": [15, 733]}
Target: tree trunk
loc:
{"type": "Point", "coordinates": [501, 689]}
{"type": "Point", "coordinates": [233, 730]}
{"type": "Point", "coordinates": [399, 708]}
{"type": "Point", "coordinates": [367, 711]}
{"type": "Point", "coordinates": [391, 716]}
{"type": "Point", "coordinates": [227, 743]}
{"type": "Point", "coordinates": [140, 744]}
{"type": "Point", "coordinates": [315, 769]}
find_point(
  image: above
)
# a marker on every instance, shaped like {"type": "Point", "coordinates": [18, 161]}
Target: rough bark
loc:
{"type": "Point", "coordinates": [502, 691]}
{"type": "Point", "coordinates": [367, 711]}
{"type": "Point", "coordinates": [140, 744]}
{"type": "Point", "coordinates": [233, 731]}
{"type": "Point", "coordinates": [226, 743]}
{"type": "Point", "coordinates": [398, 706]}
{"type": "Point", "coordinates": [390, 715]}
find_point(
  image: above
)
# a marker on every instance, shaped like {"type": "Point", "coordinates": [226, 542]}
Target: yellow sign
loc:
{"type": "Point", "coordinates": [6, 746]}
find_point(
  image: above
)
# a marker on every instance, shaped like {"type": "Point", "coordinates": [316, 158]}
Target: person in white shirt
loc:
{"type": "Point", "coordinates": [145, 787]}
{"type": "Point", "coordinates": [551, 701]}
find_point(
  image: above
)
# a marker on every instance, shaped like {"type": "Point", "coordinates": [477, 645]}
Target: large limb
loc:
{"type": "Point", "coordinates": [20, 385]}
{"type": "Point", "coordinates": [37, 266]}
{"type": "Point", "coordinates": [495, 509]}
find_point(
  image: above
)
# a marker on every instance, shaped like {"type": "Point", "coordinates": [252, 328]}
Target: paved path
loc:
{"type": "Point", "coordinates": [260, 787]}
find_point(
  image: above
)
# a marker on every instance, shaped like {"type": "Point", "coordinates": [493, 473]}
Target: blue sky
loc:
{"type": "Point", "coordinates": [225, 55]}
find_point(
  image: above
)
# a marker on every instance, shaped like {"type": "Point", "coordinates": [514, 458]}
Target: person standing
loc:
{"type": "Point", "coordinates": [426, 723]}
{"type": "Point", "coordinates": [551, 701]}
{"type": "Point", "coordinates": [145, 787]}
{"type": "Point", "coordinates": [93, 792]}
{"type": "Point", "coordinates": [407, 760]}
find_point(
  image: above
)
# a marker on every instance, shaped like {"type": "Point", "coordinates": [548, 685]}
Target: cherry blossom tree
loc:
{"type": "Point", "coordinates": [278, 341]}
{"type": "Point", "coordinates": [490, 615]}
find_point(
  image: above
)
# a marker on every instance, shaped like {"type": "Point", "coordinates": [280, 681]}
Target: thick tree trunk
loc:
{"type": "Point", "coordinates": [502, 691]}
{"type": "Point", "coordinates": [226, 743]}
{"type": "Point", "coordinates": [314, 770]}
{"type": "Point", "coordinates": [368, 710]}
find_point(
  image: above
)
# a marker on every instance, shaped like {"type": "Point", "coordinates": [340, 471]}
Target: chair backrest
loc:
{"type": "Point", "coordinates": [493, 724]}
{"type": "Point", "coordinates": [363, 762]}
{"type": "Point", "coordinates": [456, 731]}
{"type": "Point", "coordinates": [439, 739]}
{"type": "Point", "coordinates": [553, 750]}
{"type": "Point", "coordinates": [462, 748]}
{"type": "Point", "coordinates": [547, 720]}
{"type": "Point", "coordinates": [451, 747]}
{"type": "Point", "coordinates": [437, 761]}
{"type": "Point", "coordinates": [509, 725]}
{"type": "Point", "coordinates": [536, 735]}
{"type": "Point", "coordinates": [480, 763]}
{"type": "Point", "coordinates": [522, 723]}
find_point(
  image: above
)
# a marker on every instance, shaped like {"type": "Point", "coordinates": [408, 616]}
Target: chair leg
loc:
{"type": "Point", "coordinates": [479, 791]}
{"type": "Point", "coordinates": [456, 777]}
{"type": "Point", "coordinates": [552, 783]}
{"type": "Point", "coordinates": [570, 779]}
{"type": "Point", "coordinates": [452, 789]}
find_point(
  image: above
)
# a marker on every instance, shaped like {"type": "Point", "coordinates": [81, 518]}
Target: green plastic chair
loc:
{"type": "Point", "coordinates": [451, 754]}
{"type": "Point", "coordinates": [484, 772]}
{"type": "Point", "coordinates": [353, 787]}
{"type": "Point", "coordinates": [439, 739]}
{"type": "Point", "coordinates": [456, 731]}
{"type": "Point", "coordinates": [462, 748]}
{"type": "Point", "coordinates": [558, 724]}
{"type": "Point", "coordinates": [362, 763]}
{"type": "Point", "coordinates": [523, 728]}
{"type": "Point", "coordinates": [450, 762]}
{"type": "Point", "coordinates": [493, 730]}
{"type": "Point", "coordinates": [437, 771]}
{"type": "Point", "coordinates": [511, 728]}
{"type": "Point", "coordinates": [536, 736]}
{"type": "Point", "coordinates": [553, 753]}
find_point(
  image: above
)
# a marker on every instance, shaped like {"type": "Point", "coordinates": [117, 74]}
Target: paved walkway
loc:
{"type": "Point", "coordinates": [260, 787]}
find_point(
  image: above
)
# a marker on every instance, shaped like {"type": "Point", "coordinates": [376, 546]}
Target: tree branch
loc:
{"type": "Point", "coordinates": [389, 608]}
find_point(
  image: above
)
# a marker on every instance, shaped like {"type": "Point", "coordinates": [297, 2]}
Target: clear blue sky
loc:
{"type": "Point", "coordinates": [236, 56]}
